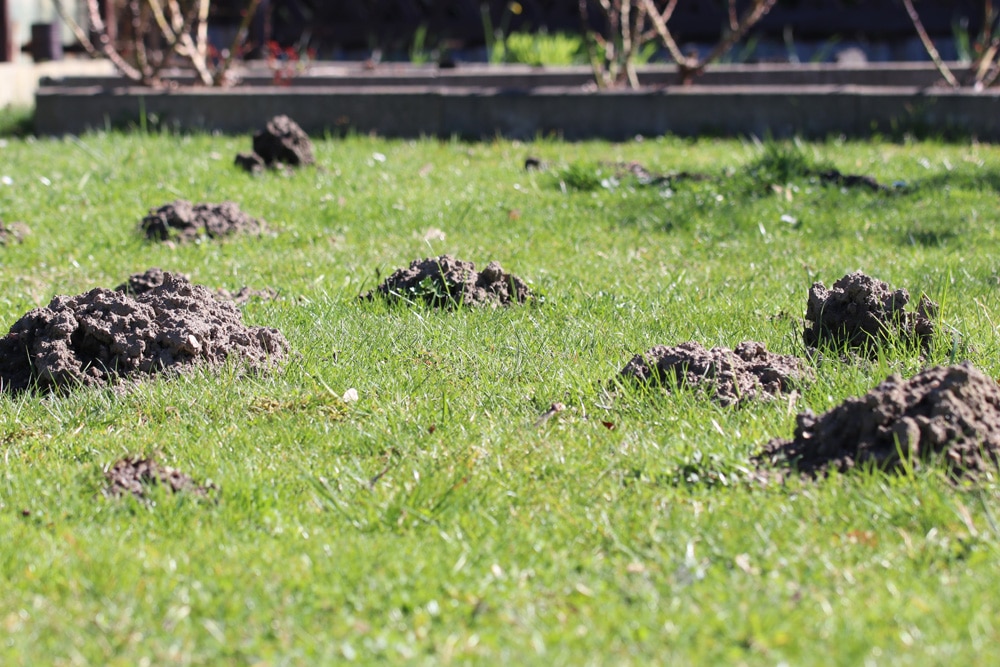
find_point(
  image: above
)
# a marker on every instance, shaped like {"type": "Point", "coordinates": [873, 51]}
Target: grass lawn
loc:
{"type": "Point", "coordinates": [432, 521]}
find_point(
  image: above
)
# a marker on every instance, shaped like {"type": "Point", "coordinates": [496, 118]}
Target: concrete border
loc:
{"type": "Point", "coordinates": [354, 75]}
{"type": "Point", "coordinates": [19, 81]}
{"type": "Point", "coordinates": [572, 113]}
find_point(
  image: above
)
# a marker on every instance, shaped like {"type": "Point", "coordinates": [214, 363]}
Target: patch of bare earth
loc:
{"type": "Point", "coordinates": [136, 475]}
{"type": "Point", "coordinates": [861, 313]}
{"type": "Point", "coordinates": [446, 282]}
{"type": "Point", "coordinates": [102, 336]}
{"type": "Point", "coordinates": [946, 413]}
{"type": "Point", "coordinates": [747, 373]}
{"type": "Point", "coordinates": [12, 232]}
{"type": "Point", "coordinates": [182, 221]}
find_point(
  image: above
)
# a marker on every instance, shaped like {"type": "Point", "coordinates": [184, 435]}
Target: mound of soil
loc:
{"type": "Point", "coordinates": [140, 283]}
{"type": "Point", "coordinates": [860, 312]}
{"type": "Point", "coordinates": [183, 221]}
{"type": "Point", "coordinates": [135, 475]}
{"type": "Point", "coordinates": [747, 373]}
{"type": "Point", "coordinates": [950, 413]}
{"type": "Point", "coordinates": [102, 336]}
{"type": "Point", "coordinates": [447, 282]}
{"type": "Point", "coordinates": [13, 232]}
{"type": "Point", "coordinates": [281, 142]}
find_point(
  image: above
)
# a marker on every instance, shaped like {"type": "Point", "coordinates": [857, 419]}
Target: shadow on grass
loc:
{"type": "Point", "coordinates": [961, 178]}
{"type": "Point", "coordinates": [16, 123]}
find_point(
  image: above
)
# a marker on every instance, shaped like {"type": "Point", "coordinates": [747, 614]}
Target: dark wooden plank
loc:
{"type": "Point", "coordinates": [6, 41]}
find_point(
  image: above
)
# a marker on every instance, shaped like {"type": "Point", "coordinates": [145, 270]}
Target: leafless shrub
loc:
{"type": "Point", "coordinates": [160, 31]}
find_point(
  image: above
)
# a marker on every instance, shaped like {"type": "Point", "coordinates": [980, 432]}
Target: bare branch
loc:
{"type": "Point", "coordinates": [238, 40]}
{"type": "Point", "coordinates": [660, 25]}
{"type": "Point", "coordinates": [106, 48]}
{"type": "Point", "coordinates": [747, 21]}
{"type": "Point", "coordinates": [929, 45]}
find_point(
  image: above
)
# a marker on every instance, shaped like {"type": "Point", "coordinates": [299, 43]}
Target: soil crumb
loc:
{"type": "Point", "coordinates": [747, 373]}
{"type": "Point", "coordinates": [140, 283]}
{"type": "Point", "coordinates": [281, 143]}
{"type": "Point", "coordinates": [860, 313]}
{"type": "Point", "coordinates": [136, 475]}
{"type": "Point", "coordinates": [12, 232]}
{"type": "Point", "coordinates": [946, 413]}
{"type": "Point", "coordinates": [103, 336]}
{"type": "Point", "coordinates": [447, 282]}
{"type": "Point", "coordinates": [183, 221]}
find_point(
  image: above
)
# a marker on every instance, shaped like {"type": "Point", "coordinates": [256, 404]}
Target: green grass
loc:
{"type": "Point", "coordinates": [431, 521]}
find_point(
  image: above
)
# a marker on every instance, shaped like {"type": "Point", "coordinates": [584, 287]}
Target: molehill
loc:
{"type": "Point", "coordinates": [183, 221]}
{"type": "Point", "coordinates": [102, 336]}
{"type": "Point", "coordinates": [281, 143]}
{"type": "Point", "coordinates": [946, 413]}
{"type": "Point", "coordinates": [747, 373]}
{"type": "Point", "coordinates": [137, 474]}
{"type": "Point", "coordinates": [861, 313]}
{"type": "Point", "coordinates": [446, 282]}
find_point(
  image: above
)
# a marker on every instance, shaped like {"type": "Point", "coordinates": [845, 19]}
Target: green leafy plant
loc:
{"type": "Point", "coordinates": [496, 37]}
{"type": "Point", "coordinates": [541, 49]}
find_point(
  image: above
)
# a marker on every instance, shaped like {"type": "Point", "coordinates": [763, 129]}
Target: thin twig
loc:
{"type": "Point", "coordinates": [238, 40]}
{"type": "Point", "coordinates": [929, 45]}
{"type": "Point", "coordinates": [749, 19]}
{"type": "Point", "coordinates": [660, 25]}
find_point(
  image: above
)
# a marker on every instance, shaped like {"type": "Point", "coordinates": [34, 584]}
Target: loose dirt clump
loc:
{"type": "Point", "coordinates": [946, 413]}
{"type": "Point", "coordinates": [103, 336]}
{"type": "Point", "coordinates": [860, 313]}
{"type": "Point", "coordinates": [183, 221]}
{"type": "Point", "coordinates": [140, 283]}
{"type": "Point", "coordinates": [136, 475]}
{"type": "Point", "coordinates": [281, 143]}
{"type": "Point", "coordinates": [747, 373]}
{"type": "Point", "coordinates": [12, 232]}
{"type": "Point", "coordinates": [447, 282]}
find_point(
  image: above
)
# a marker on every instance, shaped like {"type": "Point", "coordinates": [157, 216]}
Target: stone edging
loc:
{"type": "Point", "coordinates": [569, 112]}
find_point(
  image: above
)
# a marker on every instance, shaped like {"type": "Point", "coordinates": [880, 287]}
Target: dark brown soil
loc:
{"type": "Point", "coordinates": [946, 413]}
{"type": "Point", "coordinates": [183, 221]}
{"type": "Point", "coordinates": [646, 177]}
{"type": "Point", "coordinates": [861, 313]}
{"type": "Point", "coordinates": [281, 143]}
{"type": "Point", "coordinates": [836, 177]}
{"type": "Point", "coordinates": [12, 232]}
{"type": "Point", "coordinates": [747, 373]}
{"type": "Point", "coordinates": [140, 283]}
{"type": "Point", "coordinates": [136, 475]}
{"type": "Point", "coordinates": [103, 336]}
{"type": "Point", "coordinates": [448, 282]}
